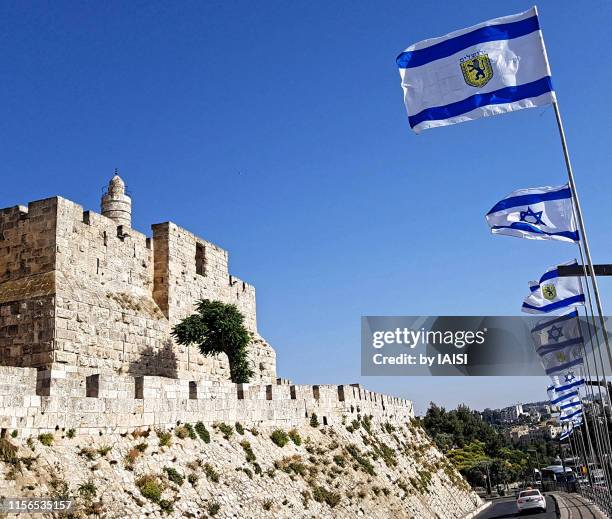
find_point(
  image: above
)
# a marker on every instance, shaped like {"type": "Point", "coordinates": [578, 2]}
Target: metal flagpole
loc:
{"type": "Point", "coordinates": [585, 455]}
{"type": "Point", "coordinates": [600, 434]}
{"type": "Point", "coordinates": [595, 335]}
{"type": "Point", "coordinates": [587, 252]}
{"type": "Point", "coordinates": [605, 448]}
{"type": "Point", "coordinates": [573, 453]}
{"type": "Point", "coordinates": [589, 262]}
{"type": "Point", "coordinates": [604, 434]}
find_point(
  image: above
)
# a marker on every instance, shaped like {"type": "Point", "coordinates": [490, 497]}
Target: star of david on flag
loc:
{"type": "Point", "coordinates": [564, 388]}
{"type": "Point", "coordinates": [559, 357]}
{"type": "Point", "coordinates": [540, 213]}
{"type": "Point", "coordinates": [557, 333]}
{"type": "Point", "coordinates": [532, 217]}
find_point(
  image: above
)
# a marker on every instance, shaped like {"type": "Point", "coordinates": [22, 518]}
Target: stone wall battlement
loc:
{"type": "Point", "coordinates": [34, 401]}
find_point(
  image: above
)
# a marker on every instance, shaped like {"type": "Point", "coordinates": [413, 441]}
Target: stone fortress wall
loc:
{"type": "Point", "coordinates": [27, 284]}
{"type": "Point", "coordinates": [87, 304]}
{"type": "Point", "coordinates": [34, 401]}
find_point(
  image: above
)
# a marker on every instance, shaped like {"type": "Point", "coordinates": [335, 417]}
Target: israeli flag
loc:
{"type": "Point", "coordinates": [570, 405]}
{"type": "Point", "coordinates": [557, 333]}
{"type": "Point", "coordinates": [562, 361]}
{"type": "Point", "coordinates": [564, 388]}
{"type": "Point", "coordinates": [571, 416]}
{"type": "Point", "coordinates": [488, 69]}
{"type": "Point", "coordinates": [567, 431]}
{"type": "Point", "coordinates": [559, 343]}
{"type": "Point", "coordinates": [567, 382]}
{"type": "Point", "coordinates": [570, 409]}
{"type": "Point", "coordinates": [553, 293]}
{"type": "Point", "coordinates": [540, 213]}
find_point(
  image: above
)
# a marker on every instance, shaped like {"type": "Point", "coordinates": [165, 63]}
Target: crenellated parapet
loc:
{"type": "Point", "coordinates": [65, 399]}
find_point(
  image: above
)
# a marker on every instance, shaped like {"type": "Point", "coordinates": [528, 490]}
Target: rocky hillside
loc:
{"type": "Point", "coordinates": [360, 469]}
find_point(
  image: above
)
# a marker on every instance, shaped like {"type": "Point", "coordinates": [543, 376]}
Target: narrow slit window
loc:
{"type": "Point", "coordinates": [200, 259]}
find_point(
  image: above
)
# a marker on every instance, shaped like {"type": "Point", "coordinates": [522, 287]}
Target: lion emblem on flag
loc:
{"type": "Point", "coordinates": [476, 68]}
{"type": "Point", "coordinates": [549, 292]}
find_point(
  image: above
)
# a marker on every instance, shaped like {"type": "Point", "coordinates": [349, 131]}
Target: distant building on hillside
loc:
{"type": "Point", "coordinates": [525, 434]}
{"type": "Point", "coordinates": [512, 413]}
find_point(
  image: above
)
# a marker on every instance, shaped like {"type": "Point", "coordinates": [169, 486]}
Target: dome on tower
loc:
{"type": "Point", "coordinates": [115, 203]}
{"type": "Point", "coordinates": [116, 185]}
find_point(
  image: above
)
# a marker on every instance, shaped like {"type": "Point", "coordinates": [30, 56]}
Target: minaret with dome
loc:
{"type": "Point", "coordinates": [116, 204]}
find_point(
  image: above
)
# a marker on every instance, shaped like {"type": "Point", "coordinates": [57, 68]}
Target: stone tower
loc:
{"type": "Point", "coordinates": [115, 203]}
{"type": "Point", "coordinates": [77, 290]}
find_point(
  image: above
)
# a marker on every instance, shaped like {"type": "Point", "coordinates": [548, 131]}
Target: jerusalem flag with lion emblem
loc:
{"type": "Point", "coordinates": [553, 293]}
{"type": "Point", "coordinates": [491, 68]}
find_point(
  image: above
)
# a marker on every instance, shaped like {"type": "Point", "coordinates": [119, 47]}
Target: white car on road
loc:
{"type": "Point", "coordinates": [531, 499]}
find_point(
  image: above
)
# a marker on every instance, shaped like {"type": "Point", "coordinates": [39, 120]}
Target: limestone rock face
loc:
{"type": "Point", "coordinates": [364, 469]}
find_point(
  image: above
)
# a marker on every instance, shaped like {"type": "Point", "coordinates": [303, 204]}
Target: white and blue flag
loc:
{"type": "Point", "coordinates": [494, 67]}
{"type": "Point", "coordinates": [553, 293]}
{"type": "Point", "coordinates": [559, 343]}
{"type": "Point", "coordinates": [570, 411]}
{"type": "Point", "coordinates": [564, 388]}
{"type": "Point", "coordinates": [556, 333]}
{"type": "Point", "coordinates": [567, 431]}
{"type": "Point", "coordinates": [577, 421]}
{"type": "Point", "coordinates": [562, 361]}
{"type": "Point", "coordinates": [540, 213]}
{"type": "Point", "coordinates": [571, 415]}
{"type": "Point", "coordinates": [569, 406]}
{"type": "Point", "coordinates": [567, 383]}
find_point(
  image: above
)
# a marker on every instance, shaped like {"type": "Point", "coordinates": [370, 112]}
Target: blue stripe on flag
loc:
{"type": "Point", "coordinates": [555, 401]}
{"type": "Point", "coordinates": [568, 406]}
{"type": "Point", "coordinates": [554, 273]}
{"type": "Point", "coordinates": [563, 367]}
{"type": "Point", "coordinates": [547, 348]}
{"type": "Point", "coordinates": [551, 274]}
{"type": "Point", "coordinates": [571, 315]}
{"type": "Point", "coordinates": [577, 383]}
{"type": "Point", "coordinates": [559, 304]}
{"type": "Point", "coordinates": [571, 415]}
{"type": "Point", "coordinates": [534, 198]}
{"type": "Point", "coordinates": [501, 96]}
{"type": "Point", "coordinates": [525, 226]}
{"type": "Point", "coordinates": [443, 49]}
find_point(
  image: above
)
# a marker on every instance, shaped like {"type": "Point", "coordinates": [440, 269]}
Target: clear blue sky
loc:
{"type": "Point", "coordinates": [277, 130]}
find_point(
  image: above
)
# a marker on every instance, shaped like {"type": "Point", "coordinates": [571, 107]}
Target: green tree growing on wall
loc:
{"type": "Point", "coordinates": [218, 328]}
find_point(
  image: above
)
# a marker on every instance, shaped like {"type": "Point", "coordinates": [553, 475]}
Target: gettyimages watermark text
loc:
{"type": "Point", "coordinates": [470, 346]}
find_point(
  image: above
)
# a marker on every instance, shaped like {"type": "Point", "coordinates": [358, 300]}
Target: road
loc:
{"type": "Point", "coordinates": [505, 508]}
